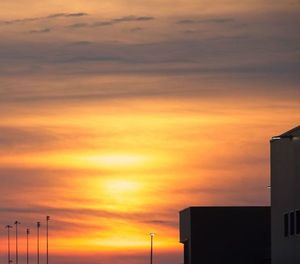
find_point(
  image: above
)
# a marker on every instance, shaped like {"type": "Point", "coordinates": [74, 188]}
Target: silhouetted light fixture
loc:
{"type": "Point", "coordinates": [27, 245]}
{"type": "Point", "coordinates": [275, 138]}
{"type": "Point", "coordinates": [47, 233]}
{"type": "Point", "coordinates": [8, 243]}
{"type": "Point", "coordinates": [17, 249]}
{"type": "Point", "coordinates": [291, 137]}
{"type": "Point", "coordinates": [38, 225]}
{"type": "Point", "coordinates": [151, 247]}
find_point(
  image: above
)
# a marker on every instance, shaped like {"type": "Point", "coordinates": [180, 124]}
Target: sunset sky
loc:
{"type": "Point", "coordinates": [116, 114]}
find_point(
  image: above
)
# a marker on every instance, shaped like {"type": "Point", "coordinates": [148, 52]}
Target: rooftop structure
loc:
{"type": "Point", "coordinates": [285, 197]}
{"type": "Point", "coordinates": [233, 235]}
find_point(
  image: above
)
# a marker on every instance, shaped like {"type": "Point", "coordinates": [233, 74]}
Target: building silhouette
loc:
{"type": "Point", "coordinates": [245, 235]}
{"type": "Point", "coordinates": [285, 197]}
{"type": "Point", "coordinates": [226, 235]}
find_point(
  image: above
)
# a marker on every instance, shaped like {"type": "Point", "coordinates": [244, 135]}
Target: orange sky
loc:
{"type": "Point", "coordinates": [116, 115]}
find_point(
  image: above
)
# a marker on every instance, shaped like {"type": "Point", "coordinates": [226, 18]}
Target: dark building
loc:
{"type": "Point", "coordinates": [285, 197]}
{"type": "Point", "coordinates": [226, 235]}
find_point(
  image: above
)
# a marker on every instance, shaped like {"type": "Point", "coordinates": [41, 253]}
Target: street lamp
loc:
{"type": "Point", "coordinates": [17, 250]}
{"type": "Point", "coordinates": [27, 243]}
{"type": "Point", "coordinates": [38, 225]}
{"type": "Point", "coordinates": [8, 243]}
{"type": "Point", "coordinates": [47, 233]}
{"type": "Point", "coordinates": [151, 249]}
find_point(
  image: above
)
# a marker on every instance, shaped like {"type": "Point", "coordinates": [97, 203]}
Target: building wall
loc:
{"type": "Point", "coordinates": [185, 234]}
{"type": "Point", "coordinates": [232, 235]}
{"type": "Point", "coordinates": [285, 198]}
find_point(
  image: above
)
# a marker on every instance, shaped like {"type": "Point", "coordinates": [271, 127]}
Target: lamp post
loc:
{"type": "Point", "coordinates": [151, 247]}
{"type": "Point", "coordinates": [27, 245]}
{"type": "Point", "coordinates": [38, 225]}
{"type": "Point", "coordinates": [47, 233]}
{"type": "Point", "coordinates": [17, 249]}
{"type": "Point", "coordinates": [8, 243]}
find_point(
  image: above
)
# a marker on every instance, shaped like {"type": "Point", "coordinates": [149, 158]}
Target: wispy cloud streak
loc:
{"type": "Point", "coordinates": [113, 21]}
{"type": "Point", "coordinates": [38, 31]}
{"type": "Point", "coordinates": [32, 19]}
{"type": "Point", "coordinates": [206, 20]}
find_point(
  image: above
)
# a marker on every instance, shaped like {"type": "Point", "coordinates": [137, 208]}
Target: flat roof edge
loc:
{"type": "Point", "coordinates": [230, 206]}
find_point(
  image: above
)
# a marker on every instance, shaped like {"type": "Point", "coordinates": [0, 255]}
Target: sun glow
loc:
{"type": "Point", "coordinates": [122, 194]}
{"type": "Point", "coordinates": [121, 186]}
{"type": "Point", "coordinates": [81, 160]}
{"type": "Point", "coordinates": [116, 160]}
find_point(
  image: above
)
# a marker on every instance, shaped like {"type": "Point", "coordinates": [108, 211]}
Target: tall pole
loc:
{"type": "Point", "coordinates": [38, 225]}
{"type": "Point", "coordinates": [47, 235]}
{"type": "Point", "coordinates": [17, 249]}
{"type": "Point", "coordinates": [151, 248]}
{"type": "Point", "coordinates": [8, 243]}
{"type": "Point", "coordinates": [27, 243]}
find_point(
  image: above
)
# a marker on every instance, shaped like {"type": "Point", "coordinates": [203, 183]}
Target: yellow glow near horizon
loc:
{"type": "Point", "coordinates": [80, 160]}
{"type": "Point", "coordinates": [115, 160]}
{"type": "Point", "coordinates": [121, 186]}
{"type": "Point", "coordinates": [122, 194]}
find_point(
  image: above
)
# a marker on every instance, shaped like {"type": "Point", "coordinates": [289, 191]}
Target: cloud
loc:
{"type": "Point", "coordinates": [136, 29]}
{"type": "Point", "coordinates": [144, 18]}
{"type": "Point", "coordinates": [16, 138]}
{"type": "Point", "coordinates": [80, 43]}
{"type": "Point", "coordinates": [132, 18]}
{"type": "Point", "coordinates": [30, 214]}
{"type": "Point", "coordinates": [23, 139]}
{"type": "Point", "coordinates": [206, 20]}
{"type": "Point", "coordinates": [66, 15]}
{"type": "Point", "coordinates": [191, 31]}
{"type": "Point", "coordinates": [59, 211]}
{"type": "Point", "coordinates": [111, 22]}
{"type": "Point", "coordinates": [19, 21]}
{"type": "Point", "coordinates": [103, 23]}
{"type": "Point", "coordinates": [76, 14]}
{"type": "Point", "coordinates": [91, 58]}
{"type": "Point", "coordinates": [236, 57]}
{"type": "Point", "coordinates": [52, 16]}
{"type": "Point", "coordinates": [59, 214]}
{"type": "Point", "coordinates": [38, 31]}
{"type": "Point", "coordinates": [78, 25]}
{"type": "Point", "coordinates": [234, 53]}
{"type": "Point", "coordinates": [123, 20]}
{"type": "Point", "coordinates": [162, 223]}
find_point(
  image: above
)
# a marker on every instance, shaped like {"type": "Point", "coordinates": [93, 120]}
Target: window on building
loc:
{"type": "Point", "coordinates": [292, 223]}
{"type": "Point", "coordinates": [297, 221]}
{"type": "Point", "coordinates": [286, 224]}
